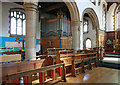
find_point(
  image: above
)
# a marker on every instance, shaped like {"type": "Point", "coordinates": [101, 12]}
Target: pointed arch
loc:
{"type": "Point", "coordinates": [95, 22]}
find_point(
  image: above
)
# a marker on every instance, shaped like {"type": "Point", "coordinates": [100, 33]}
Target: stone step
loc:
{"type": "Point", "coordinates": [112, 55]}
{"type": "Point", "coordinates": [109, 64]}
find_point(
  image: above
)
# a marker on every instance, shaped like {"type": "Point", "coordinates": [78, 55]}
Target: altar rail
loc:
{"type": "Point", "coordinates": [14, 78]}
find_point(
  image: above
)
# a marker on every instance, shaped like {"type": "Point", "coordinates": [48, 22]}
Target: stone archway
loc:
{"type": "Point", "coordinates": [75, 20]}
{"type": "Point", "coordinates": [94, 21]}
{"type": "Point", "coordinates": [30, 9]}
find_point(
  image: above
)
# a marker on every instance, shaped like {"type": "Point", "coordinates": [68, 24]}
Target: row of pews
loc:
{"type": "Point", "coordinates": [78, 62]}
{"type": "Point", "coordinates": [52, 67]}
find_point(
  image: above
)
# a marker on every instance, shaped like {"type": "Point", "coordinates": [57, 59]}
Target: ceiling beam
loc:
{"type": "Point", "coordinates": [53, 7]}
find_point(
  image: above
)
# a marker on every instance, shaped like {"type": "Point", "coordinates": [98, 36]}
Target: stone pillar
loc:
{"type": "Point", "coordinates": [76, 34]}
{"type": "Point", "coordinates": [31, 13]}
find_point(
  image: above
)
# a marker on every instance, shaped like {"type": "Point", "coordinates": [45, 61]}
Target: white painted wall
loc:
{"type": "Point", "coordinates": [110, 18]}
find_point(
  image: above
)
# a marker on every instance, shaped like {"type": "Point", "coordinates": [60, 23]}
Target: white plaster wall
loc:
{"type": "Point", "coordinates": [110, 18]}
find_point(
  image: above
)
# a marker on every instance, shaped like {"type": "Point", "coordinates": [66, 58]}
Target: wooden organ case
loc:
{"type": "Point", "coordinates": [56, 32]}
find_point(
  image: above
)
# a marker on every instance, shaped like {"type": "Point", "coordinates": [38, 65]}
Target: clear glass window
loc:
{"type": "Point", "coordinates": [88, 44]}
{"type": "Point", "coordinates": [17, 23]}
{"type": "Point", "coordinates": [85, 26]}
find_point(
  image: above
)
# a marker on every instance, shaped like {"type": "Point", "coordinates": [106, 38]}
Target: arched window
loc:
{"type": "Point", "coordinates": [85, 26]}
{"type": "Point", "coordinates": [17, 22]}
{"type": "Point", "coordinates": [88, 44]}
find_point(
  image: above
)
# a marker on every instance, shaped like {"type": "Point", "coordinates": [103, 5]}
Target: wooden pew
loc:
{"type": "Point", "coordinates": [77, 64]}
{"type": "Point", "coordinates": [90, 59]}
{"type": "Point", "coordinates": [41, 57]}
{"type": "Point", "coordinates": [66, 53]}
{"type": "Point", "coordinates": [53, 51]}
{"type": "Point", "coordinates": [10, 58]}
{"type": "Point", "coordinates": [76, 61]}
{"type": "Point", "coordinates": [57, 57]}
{"type": "Point", "coordinates": [80, 51]}
{"type": "Point", "coordinates": [81, 62]}
{"type": "Point", "coordinates": [86, 60]}
{"type": "Point", "coordinates": [21, 66]}
{"type": "Point", "coordinates": [49, 49]}
{"type": "Point", "coordinates": [29, 65]}
{"type": "Point", "coordinates": [16, 52]}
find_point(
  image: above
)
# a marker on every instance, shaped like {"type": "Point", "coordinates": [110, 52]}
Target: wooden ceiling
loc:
{"type": "Point", "coordinates": [52, 7]}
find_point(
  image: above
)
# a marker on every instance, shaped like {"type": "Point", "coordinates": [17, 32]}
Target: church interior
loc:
{"type": "Point", "coordinates": [60, 42]}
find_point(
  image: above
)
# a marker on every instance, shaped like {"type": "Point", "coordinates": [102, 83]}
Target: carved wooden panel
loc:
{"type": "Point", "coordinates": [66, 42]}
{"type": "Point", "coordinates": [67, 61]}
{"type": "Point", "coordinates": [50, 42]}
{"type": "Point", "coordinates": [56, 42]}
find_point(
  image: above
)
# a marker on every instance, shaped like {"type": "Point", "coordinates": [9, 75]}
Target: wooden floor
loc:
{"type": "Point", "coordinates": [97, 75]}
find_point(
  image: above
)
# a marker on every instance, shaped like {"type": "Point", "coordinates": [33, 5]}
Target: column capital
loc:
{"type": "Point", "coordinates": [30, 6]}
{"type": "Point", "coordinates": [31, 1]}
{"type": "Point", "coordinates": [76, 23]}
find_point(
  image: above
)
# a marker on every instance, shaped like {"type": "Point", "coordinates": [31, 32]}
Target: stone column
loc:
{"type": "Point", "coordinates": [75, 34]}
{"type": "Point", "coordinates": [31, 13]}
